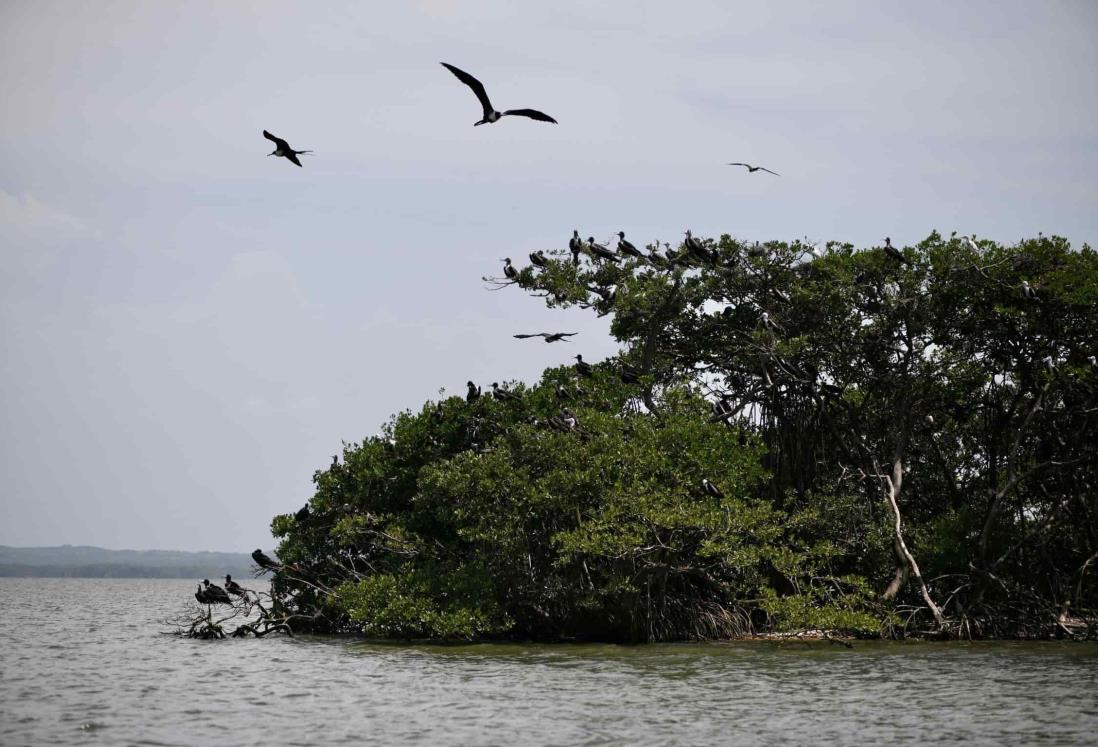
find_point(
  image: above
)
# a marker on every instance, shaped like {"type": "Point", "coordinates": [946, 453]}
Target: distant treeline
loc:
{"type": "Point", "coordinates": [96, 562]}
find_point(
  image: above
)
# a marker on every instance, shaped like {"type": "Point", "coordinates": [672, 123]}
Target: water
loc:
{"type": "Point", "coordinates": [82, 662]}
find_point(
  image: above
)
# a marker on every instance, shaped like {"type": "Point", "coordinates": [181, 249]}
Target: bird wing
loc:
{"type": "Point", "coordinates": [775, 173]}
{"type": "Point", "coordinates": [476, 85]}
{"type": "Point", "coordinates": [276, 140]}
{"type": "Point", "coordinates": [531, 113]}
{"type": "Point", "coordinates": [536, 334]}
{"type": "Point", "coordinates": [746, 165]}
{"type": "Point", "coordinates": [292, 157]}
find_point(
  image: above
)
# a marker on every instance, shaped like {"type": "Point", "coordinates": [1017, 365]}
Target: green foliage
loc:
{"type": "Point", "coordinates": [499, 518]}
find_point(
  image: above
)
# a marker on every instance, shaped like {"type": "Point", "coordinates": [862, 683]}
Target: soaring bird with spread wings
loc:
{"type": "Point", "coordinates": [490, 113]}
{"type": "Point", "coordinates": [554, 337]}
{"type": "Point", "coordinates": [752, 169]}
{"type": "Point", "coordinates": [282, 148]}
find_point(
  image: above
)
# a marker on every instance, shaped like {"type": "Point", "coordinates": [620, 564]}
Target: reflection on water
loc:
{"type": "Point", "coordinates": [83, 662]}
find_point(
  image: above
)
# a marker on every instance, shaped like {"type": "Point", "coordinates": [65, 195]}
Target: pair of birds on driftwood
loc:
{"type": "Point", "coordinates": [213, 594]}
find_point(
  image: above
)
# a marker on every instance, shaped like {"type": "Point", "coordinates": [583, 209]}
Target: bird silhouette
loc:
{"type": "Point", "coordinates": [752, 169]}
{"type": "Point", "coordinates": [549, 337]}
{"type": "Point", "coordinates": [282, 148]}
{"type": "Point", "coordinates": [895, 253]}
{"type": "Point", "coordinates": [508, 269]}
{"type": "Point", "coordinates": [262, 560]}
{"type": "Point", "coordinates": [538, 259]}
{"type": "Point", "coordinates": [490, 113]}
{"type": "Point", "coordinates": [233, 587]}
{"type": "Point", "coordinates": [472, 392]}
{"type": "Point", "coordinates": [582, 367]}
{"type": "Point", "coordinates": [626, 248]}
{"type": "Point", "coordinates": [215, 594]}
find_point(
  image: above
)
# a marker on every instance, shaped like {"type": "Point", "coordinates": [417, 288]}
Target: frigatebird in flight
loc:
{"type": "Point", "coordinates": [490, 113]}
{"type": "Point", "coordinates": [282, 148]}
{"type": "Point", "coordinates": [752, 169]}
{"type": "Point", "coordinates": [554, 337]}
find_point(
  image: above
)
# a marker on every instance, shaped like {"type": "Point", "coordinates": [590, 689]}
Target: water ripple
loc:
{"type": "Point", "coordinates": [82, 662]}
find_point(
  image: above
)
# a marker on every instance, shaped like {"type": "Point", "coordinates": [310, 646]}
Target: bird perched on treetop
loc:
{"type": "Point", "coordinates": [472, 392]}
{"type": "Point", "coordinates": [894, 252]}
{"type": "Point", "coordinates": [538, 259]}
{"type": "Point", "coordinates": [626, 248]}
{"type": "Point", "coordinates": [582, 368]}
{"type": "Point", "coordinates": [601, 251]}
{"type": "Point", "coordinates": [490, 113]}
{"type": "Point", "coordinates": [508, 270]}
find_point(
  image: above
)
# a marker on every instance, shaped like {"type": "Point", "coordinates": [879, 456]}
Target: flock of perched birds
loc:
{"type": "Point", "coordinates": [213, 594]}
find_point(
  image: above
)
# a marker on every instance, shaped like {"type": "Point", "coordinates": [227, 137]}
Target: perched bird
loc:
{"type": "Point", "coordinates": [601, 251]}
{"type": "Point", "coordinates": [502, 394]}
{"type": "Point", "coordinates": [752, 169]}
{"type": "Point", "coordinates": [302, 514]}
{"type": "Point", "coordinates": [554, 337]}
{"type": "Point", "coordinates": [562, 393]}
{"type": "Point", "coordinates": [582, 368]}
{"type": "Point", "coordinates": [233, 587]}
{"type": "Point", "coordinates": [263, 561]}
{"type": "Point", "coordinates": [894, 252]}
{"type": "Point", "coordinates": [629, 374]}
{"type": "Point", "coordinates": [282, 148]}
{"type": "Point", "coordinates": [538, 259]}
{"type": "Point", "coordinates": [712, 490]}
{"type": "Point", "coordinates": [215, 594]}
{"type": "Point", "coordinates": [490, 113]}
{"type": "Point", "coordinates": [695, 248]}
{"type": "Point", "coordinates": [335, 460]}
{"type": "Point", "coordinates": [508, 270]}
{"type": "Point", "coordinates": [756, 251]}
{"type": "Point", "coordinates": [200, 595]}
{"type": "Point", "coordinates": [769, 323]}
{"type": "Point", "coordinates": [1028, 291]}
{"type": "Point", "coordinates": [575, 245]}
{"type": "Point", "coordinates": [626, 248]}
{"type": "Point", "coordinates": [473, 392]}
{"type": "Point", "coordinates": [969, 243]}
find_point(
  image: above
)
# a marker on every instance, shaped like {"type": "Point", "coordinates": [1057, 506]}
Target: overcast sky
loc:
{"type": "Point", "coordinates": [189, 329]}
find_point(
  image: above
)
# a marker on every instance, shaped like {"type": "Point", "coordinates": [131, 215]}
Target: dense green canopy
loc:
{"type": "Point", "coordinates": [896, 446]}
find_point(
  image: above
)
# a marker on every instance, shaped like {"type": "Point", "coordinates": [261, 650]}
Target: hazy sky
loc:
{"type": "Point", "coordinates": [188, 329]}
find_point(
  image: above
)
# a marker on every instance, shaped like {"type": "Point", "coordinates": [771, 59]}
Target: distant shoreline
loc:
{"type": "Point", "coordinates": [73, 561]}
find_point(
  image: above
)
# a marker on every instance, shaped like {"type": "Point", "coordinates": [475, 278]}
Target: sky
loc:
{"type": "Point", "coordinates": [189, 329]}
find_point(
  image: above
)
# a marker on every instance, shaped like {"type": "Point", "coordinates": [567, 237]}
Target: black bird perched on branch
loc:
{"type": "Point", "coordinates": [575, 245]}
{"type": "Point", "coordinates": [215, 594]}
{"type": "Point", "coordinates": [502, 394]}
{"type": "Point", "coordinates": [302, 514]}
{"type": "Point", "coordinates": [626, 248]}
{"type": "Point", "coordinates": [712, 490]}
{"type": "Point", "coordinates": [490, 113]}
{"type": "Point", "coordinates": [508, 270]}
{"type": "Point", "coordinates": [601, 251]}
{"type": "Point", "coordinates": [554, 337]}
{"type": "Point", "coordinates": [752, 169]}
{"type": "Point", "coordinates": [263, 561]}
{"type": "Point", "coordinates": [894, 252]}
{"type": "Point", "coordinates": [282, 148]}
{"type": "Point", "coordinates": [538, 259]}
{"type": "Point", "coordinates": [582, 368]}
{"type": "Point", "coordinates": [200, 595]}
{"type": "Point", "coordinates": [472, 393]}
{"type": "Point", "coordinates": [233, 587]}
{"type": "Point", "coordinates": [629, 374]}
{"type": "Point", "coordinates": [696, 248]}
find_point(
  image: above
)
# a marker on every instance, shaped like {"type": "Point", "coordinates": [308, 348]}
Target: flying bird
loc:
{"type": "Point", "coordinates": [490, 113]}
{"type": "Point", "coordinates": [752, 169]}
{"type": "Point", "coordinates": [282, 148]}
{"type": "Point", "coordinates": [554, 337]}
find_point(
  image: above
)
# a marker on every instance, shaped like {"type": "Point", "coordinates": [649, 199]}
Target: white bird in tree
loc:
{"type": "Point", "coordinates": [282, 148]}
{"type": "Point", "coordinates": [490, 113]}
{"type": "Point", "coordinates": [969, 243]}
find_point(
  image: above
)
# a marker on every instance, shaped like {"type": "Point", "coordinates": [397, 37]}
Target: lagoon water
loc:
{"type": "Point", "coordinates": [84, 662]}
